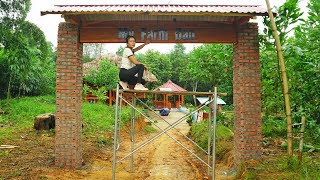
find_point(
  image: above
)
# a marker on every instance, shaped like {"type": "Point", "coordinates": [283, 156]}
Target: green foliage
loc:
{"type": "Point", "coordinates": [106, 75]}
{"type": "Point", "coordinates": [288, 168]}
{"type": "Point", "coordinates": [120, 51]}
{"type": "Point", "coordinates": [21, 113]}
{"type": "Point", "coordinates": [288, 14]}
{"type": "Point", "coordinates": [226, 119]}
{"type": "Point", "coordinates": [159, 64]}
{"type": "Point", "coordinates": [179, 61]}
{"type": "Point", "coordinates": [97, 118]}
{"type": "Point", "coordinates": [104, 78]}
{"type": "Point", "coordinates": [150, 129]}
{"type": "Point", "coordinates": [210, 65]}
{"type": "Point", "coordinates": [274, 126]}
{"type": "Point", "coordinates": [199, 133]}
{"type": "Point", "coordinates": [14, 10]}
{"type": "Point", "coordinates": [102, 141]}
{"type": "Point", "coordinates": [301, 54]}
{"type": "Point", "coordinates": [26, 62]}
{"type": "Point", "coordinates": [92, 51]}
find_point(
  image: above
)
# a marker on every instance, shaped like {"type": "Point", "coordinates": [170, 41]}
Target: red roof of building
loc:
{"type": "Point", "coordinates": [216, 7]}
{"type": "Point", "coordinates": [171, 85]}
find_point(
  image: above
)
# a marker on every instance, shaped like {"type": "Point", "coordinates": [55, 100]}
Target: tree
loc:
{"type": "Point", "coordinates": [288, 15]}
{"type": "Point", "coordinates": [208, 66]}
{"type": "Point", "coordinates": [178, 59]}
{"type": "Point", "coordinates": [159, 64]}
{"type": "Point", "coordinates": [92, 51]}
{"type": "Point", "coordinates": [304, 63]}
{"type": "Point", "coordinates": [105, 78]}
{"type": "Point", "coordinates": [120, 51]}
{"type": "Point", "coordinates": [24, 51]}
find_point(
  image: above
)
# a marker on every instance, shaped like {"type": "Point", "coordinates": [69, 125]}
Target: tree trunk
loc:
{"type": "Point", "coordinates": [9, 88]}
{"type": "Point", "coordinates": [195, 90]}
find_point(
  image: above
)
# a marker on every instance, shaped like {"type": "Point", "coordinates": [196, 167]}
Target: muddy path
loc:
{"type": "Point", "coordinates": [160, 159]}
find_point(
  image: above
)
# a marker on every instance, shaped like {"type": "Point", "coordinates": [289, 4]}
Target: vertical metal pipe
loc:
{"type": "Point", "coordinates": [209, 134]}
{"type": "Point", "coordinates": [115, 136]}
{"type": "Point", "coordinates": [214, 134]}
{"type": "Point", "coordinates": [119, 120]}
{"type": "Point", "coordinates": [132, 131]}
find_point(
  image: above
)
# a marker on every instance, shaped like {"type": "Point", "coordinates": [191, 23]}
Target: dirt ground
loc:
{"type": "Point", "coordinates": [161, 159]}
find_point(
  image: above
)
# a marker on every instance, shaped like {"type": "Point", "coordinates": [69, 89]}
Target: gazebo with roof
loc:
{"type": "Point", "coordinates": [162, 100]}
{"type": "Point", "coordinates": [166, 21]}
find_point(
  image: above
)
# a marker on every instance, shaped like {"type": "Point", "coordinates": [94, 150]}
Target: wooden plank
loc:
{"type": "Point", "coordinates": [174, 92]}
{"type": "Point", "coordinates": [158, 32]}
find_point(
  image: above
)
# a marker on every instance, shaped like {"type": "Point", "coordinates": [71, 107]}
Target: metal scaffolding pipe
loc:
{"type": "Point", "coordinates": [115, 136]}
{"type": "Point", "coordinates": [174, 127]}
{"type": "Point", "coordinates": [163, 131]}
{"type": "Point", "coordinates": [214, 134]}
{"type": "Point", "coordinates": [166, 134]}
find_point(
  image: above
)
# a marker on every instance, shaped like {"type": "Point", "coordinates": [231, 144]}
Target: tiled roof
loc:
{"type": "Point", "coordinates": [156, 8]}
{"type": "Point", "coordinates": [172, 86]}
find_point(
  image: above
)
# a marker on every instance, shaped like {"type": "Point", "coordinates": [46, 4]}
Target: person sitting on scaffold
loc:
{"type": "Point", "coordinates": [130, 67]}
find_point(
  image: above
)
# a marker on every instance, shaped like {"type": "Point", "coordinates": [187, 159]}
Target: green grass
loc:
{"type": "Point", "coordinates": [149, 129]}
{"type": "Point", "coordinates": [200, 135]}
{"type": "Point", "coordinates": [21, 112]}
{"type": "Point", "coordinates": [282, 167]}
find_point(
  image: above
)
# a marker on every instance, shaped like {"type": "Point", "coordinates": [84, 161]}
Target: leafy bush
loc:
{"type": "Point", "coordinates": [273, 126]}
{"type": "Point", "coordinates": [106, 75]}
{"type": "Point", "coordinates": [104, 78]}
{"type": "Point", "coordinates": [199, 133]}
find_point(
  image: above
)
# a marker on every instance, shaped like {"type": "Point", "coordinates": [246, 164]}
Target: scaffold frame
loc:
{"type": "Point", "coordinates": [118, 113]}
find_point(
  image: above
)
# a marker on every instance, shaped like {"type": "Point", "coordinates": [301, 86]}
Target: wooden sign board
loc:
{"type": "Point", "coordinates": [158, 32]}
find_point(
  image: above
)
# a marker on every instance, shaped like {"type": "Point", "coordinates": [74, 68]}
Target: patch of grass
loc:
{"type": "Point", "coordinates": [96, 118]}
{"type": "Point", "coordinates": [100, 117]}
{"type": "Point", "coordinates": [150, 129]}
{"type": "Point", "coordinates": [281, 167]}
{"type": "Point", "coordinates": [17, 173]}
{"type": "Point", "coordinates": [43, 178]}
{"type": "Point", "coordinates": [4, 153]}
{"type": "Point", "coordinates": [102, 141]}
{"type": "Point", "coordinates": [21, 112]}
{"type": "Point", "coordinates": [199, 133]}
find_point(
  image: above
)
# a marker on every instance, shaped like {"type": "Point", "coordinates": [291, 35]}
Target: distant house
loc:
{"type": "Point", "coordinates": [148, 76]}
{"type": "Point", "coordinates": [220, 102]}
{"type": "Point", "coordinates": [163, 100]}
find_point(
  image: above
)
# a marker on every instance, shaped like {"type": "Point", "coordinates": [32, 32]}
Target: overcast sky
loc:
{"type": "Point", "coordinates": [49, 23]}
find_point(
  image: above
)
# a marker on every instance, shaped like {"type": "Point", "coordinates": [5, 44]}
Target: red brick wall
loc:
{"type": "Point", "coordinates": [247, 94]}
{"type": "Point", "coordinates": [68, 150]}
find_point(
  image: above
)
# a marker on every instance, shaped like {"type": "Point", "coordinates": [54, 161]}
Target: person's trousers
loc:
{"type": "Point", "coordinates": [128, 75]}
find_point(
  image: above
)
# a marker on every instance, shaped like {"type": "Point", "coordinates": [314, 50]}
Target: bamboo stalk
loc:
{"type": "Point", "coordinates": [303, 124]}
{"type": "Point", "coordinates": [284, 80]}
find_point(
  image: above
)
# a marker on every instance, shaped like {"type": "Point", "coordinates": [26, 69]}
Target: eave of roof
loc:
{"type": "Point", "coordinates": [160, 9]}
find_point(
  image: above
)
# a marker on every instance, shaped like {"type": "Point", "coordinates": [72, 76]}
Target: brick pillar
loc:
{"type": "Point", "coordinates": [68, 150]}
{"type": "Point", "coordinates": [247, 94]}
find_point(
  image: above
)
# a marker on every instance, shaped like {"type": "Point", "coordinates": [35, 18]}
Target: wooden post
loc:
{"type": "Point", "coordinates": [110, 98]}
{"type": "Point", "coordinates": [284, 80]}
{"type": "Point", "coordinates": [303, 124]}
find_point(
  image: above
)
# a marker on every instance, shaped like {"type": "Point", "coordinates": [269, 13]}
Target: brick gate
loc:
{"type": "Point", "coordinates": [162, 23]}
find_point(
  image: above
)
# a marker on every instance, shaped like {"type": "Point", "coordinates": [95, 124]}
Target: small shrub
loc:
{"type": "Point", "coordinates": [273, 126]}
{"type": "Point", "coordinates": [149, 129]}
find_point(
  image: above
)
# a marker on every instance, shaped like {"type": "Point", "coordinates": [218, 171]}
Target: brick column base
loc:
{"type": "Point", "coordinates": [68, 150]}
{"type": "Point", "coordinates": [247, 94]}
